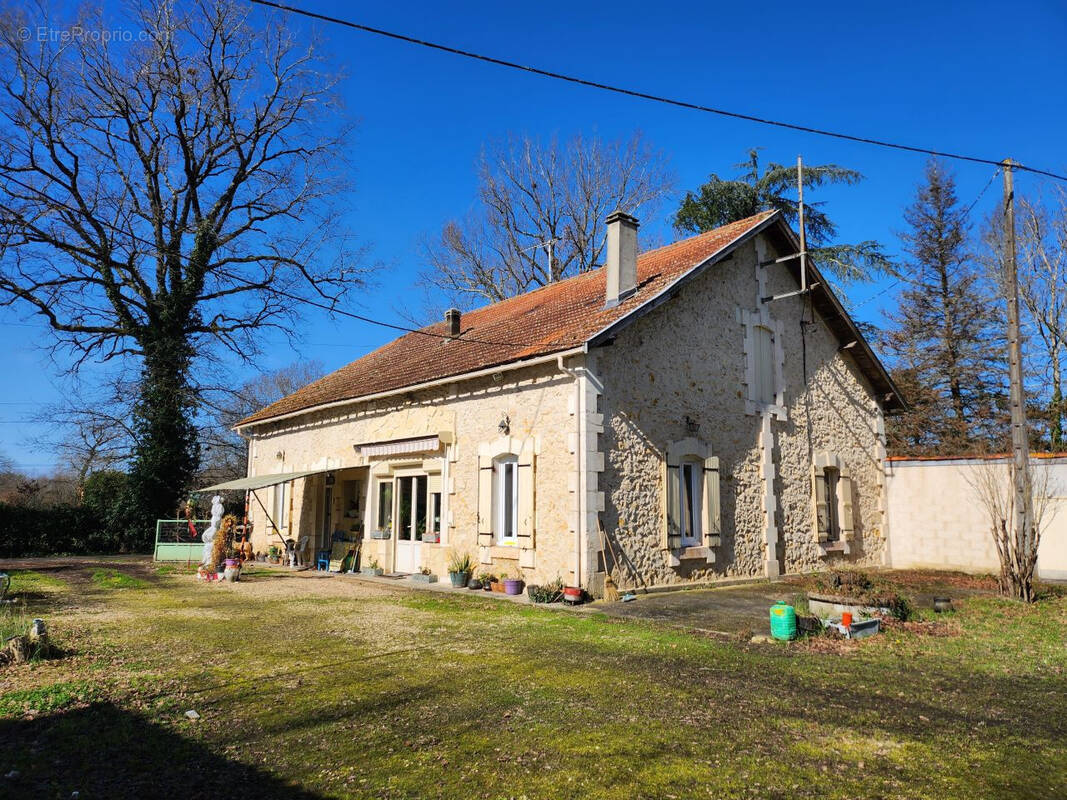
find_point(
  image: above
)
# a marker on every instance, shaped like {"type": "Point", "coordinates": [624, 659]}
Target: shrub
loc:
{"type": "Point", "coordinates": [60, 530]}
{"type": "Point", "coordinates": [548, 593]}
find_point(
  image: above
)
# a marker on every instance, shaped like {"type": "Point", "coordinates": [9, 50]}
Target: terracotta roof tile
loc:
{"type": "Point", "coordinates": [550, 319]}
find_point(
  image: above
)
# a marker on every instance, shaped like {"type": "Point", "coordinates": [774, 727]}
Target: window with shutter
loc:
{"type": "Point", "coordinates": [526, 498]}
{"type": "Point", "coordinates": [485, 501]}
{"type": "Point", "coordinates": [763, 352]}
{"type": "Point", "coordinates": [692, 517]}
{"type": "Point", "coordinates": [832, 497]}
{"type": "Point", "coordinates": [764, 362]}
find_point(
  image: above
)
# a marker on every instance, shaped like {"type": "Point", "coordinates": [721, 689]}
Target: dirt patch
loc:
{"type": "Point", "coordinates": [930, 580]}
{"type": "Point", "coordinates": [938, 628]}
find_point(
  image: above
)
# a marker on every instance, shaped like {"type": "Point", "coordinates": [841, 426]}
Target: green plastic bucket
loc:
{"type": "Point", "coordinates": [783, 622]}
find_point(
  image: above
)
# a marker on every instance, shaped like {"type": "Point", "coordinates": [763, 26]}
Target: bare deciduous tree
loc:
{"type": "Point", "coordinates": [167, 197]}
{"type": "Point", "coordinates": [993, 485]}
{"type": "Point", "coordinates": [226, 453]}
{"type": "Point", "coordinates": [90, 427]}
{"type": "Point", "coordinates": [540, 212]}
{"type": "Point", "coordinates": [1043, 290]}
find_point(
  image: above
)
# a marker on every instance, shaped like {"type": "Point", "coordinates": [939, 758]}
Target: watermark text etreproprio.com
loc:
{"type": "Point", "coordinates": [77, 33]}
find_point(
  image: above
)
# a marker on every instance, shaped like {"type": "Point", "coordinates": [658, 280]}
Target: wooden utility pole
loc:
{"type": "Point", "coordinates": [1020, 439]}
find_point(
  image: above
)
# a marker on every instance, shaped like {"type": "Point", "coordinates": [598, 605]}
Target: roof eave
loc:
{"type": "Point", "coordinates": [505, 366]}
{"type": "Point", "coordinates": [890, 398]}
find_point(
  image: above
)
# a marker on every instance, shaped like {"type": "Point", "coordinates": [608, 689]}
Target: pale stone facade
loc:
{"type": "Point", "coordinates": [681, 372]}
{"type": "Point", "coordinates": [538, 403]}
{"type": "Point", "coordinates": [594, 435]}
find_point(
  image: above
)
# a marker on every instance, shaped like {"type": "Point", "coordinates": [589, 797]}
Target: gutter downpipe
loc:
{"type": "Point", "coordinates": [580, 413]}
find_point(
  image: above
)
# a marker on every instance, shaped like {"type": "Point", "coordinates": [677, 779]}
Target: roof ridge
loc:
{"type": "Point", "coordinates": [570, 312]}
{"type": "Point", "coordinates": [688, 239]}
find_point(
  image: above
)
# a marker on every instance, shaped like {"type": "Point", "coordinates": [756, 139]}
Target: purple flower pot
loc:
{"type": "Point", "coordinates": [512, 586]}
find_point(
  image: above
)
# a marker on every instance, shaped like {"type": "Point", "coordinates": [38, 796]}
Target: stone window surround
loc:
{"type": "Point", "coordinates": [489, 548]}
{"type": "Point", "coordinates": [750, 320]}
{"type": "Point", "coordinates": [675, 454]}
{"type": "Point", "coordinates": [823, 460]}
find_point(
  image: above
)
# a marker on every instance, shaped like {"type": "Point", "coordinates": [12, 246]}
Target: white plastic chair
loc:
{"type": "Point", "coordinates": [302, 550]}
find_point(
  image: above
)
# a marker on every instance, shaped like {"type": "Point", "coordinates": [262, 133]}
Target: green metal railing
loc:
{"type": "Point", "coordinates": [175, 542]}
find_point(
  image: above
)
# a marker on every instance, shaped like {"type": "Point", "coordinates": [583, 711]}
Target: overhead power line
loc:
{"type": "Point", "coordinates": [671, 101]}
{"type": "Point", "coordinates": [893, 284]}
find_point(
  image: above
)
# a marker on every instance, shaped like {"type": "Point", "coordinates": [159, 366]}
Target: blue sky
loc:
{"type": "Point", "coordinates": [969, 77]}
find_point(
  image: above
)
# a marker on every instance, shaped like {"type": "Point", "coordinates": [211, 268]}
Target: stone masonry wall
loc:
{"type": "Point", "coordinates": [539, 402]}
{"type": "Point", "coordinates": [686, 359]}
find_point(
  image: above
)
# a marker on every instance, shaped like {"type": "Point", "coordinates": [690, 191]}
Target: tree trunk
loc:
{"type": "Point", "coordinates": [166, 454]}
{"type": "Point", "coordinates": [1055, 408]}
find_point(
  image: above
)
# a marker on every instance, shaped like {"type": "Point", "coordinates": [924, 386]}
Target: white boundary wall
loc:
{"type": "Point", "coordinates": [936, 520]}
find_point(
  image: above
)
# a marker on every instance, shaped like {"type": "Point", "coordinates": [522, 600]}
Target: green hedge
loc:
{"type": "Point", "coordinates": [62, 530]}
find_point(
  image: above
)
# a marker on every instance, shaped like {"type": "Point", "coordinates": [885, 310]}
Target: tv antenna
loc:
{"type": "Point", "coordinates": [803, 254]}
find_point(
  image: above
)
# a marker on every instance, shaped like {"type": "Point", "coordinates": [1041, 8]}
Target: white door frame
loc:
{"type": "Point", "coordinates": [407, 553]}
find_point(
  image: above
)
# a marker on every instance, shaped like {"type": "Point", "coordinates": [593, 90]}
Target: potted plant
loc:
{"type": "Point", "coordinates": [497, 584]}
{"type": "Point", "coordinates": [488, 579]}
{"type": "Point", "coordinates": [460, 566]}
{"type": "Point", "coordinates": [548, 593]}
{"type": "Point", "coordinates": [371, 568]}
{"type": "Point", "coordinates": [232, 570]}
{"type": "Point", "coordinates": [512, 586]}
{"type": "Point", "coordinates": [474, 585]}
{"type": "Point", "coordinates": [427, 537]}
{"type": "Point", "coordinates": [424, 576]}
{"type": "Point", "coordinates": [274, 555]}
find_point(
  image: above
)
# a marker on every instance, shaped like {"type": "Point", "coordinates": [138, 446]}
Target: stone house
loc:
{"type": "Point", "coordinates": [667, 417]}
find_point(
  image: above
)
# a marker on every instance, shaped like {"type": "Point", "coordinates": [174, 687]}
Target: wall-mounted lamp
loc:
{"type": "Point", "coordinates": [505, 426]}
{"type": "Point", "coordinates": [691, 425]}
{"type": "Point", "coordinates": [280, 455]}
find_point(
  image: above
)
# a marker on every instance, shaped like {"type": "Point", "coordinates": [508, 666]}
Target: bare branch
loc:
{"type": "Point", "coordinates": [532, 195]}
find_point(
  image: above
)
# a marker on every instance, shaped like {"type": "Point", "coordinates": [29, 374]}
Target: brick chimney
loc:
{"type": "Point", "coordinates": [621, 270]}
{"type": "Point", "coordinates": [453, 319]}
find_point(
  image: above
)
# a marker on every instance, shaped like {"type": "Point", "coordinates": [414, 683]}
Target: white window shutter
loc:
{"type": "Point", "coordinates": [527, 498]}
{"type": "Point", "coordinates": [712, 503]}
{"type": "Point", "coordinates": [822, 511]}
{"type": "Point", "coordinates": [845, 488]}
{"type": "Point", "coordinates": [485, 501]}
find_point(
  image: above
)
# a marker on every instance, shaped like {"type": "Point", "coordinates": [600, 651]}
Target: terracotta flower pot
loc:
{"type": "Point", "coordinates": [497, 586]}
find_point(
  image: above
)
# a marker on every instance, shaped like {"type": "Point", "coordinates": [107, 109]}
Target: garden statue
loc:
{"type": "Point", "coordinates": [209, 534]}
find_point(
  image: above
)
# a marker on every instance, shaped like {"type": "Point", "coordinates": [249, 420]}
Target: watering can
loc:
{"type": "Point", "coordinates": [5, 584]}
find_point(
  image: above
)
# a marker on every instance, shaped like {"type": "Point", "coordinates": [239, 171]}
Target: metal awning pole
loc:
{"type": "Point", "coordinates": [269, 519]}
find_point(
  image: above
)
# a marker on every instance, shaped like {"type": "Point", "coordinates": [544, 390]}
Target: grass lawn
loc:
{"type": "Point", "coordinates": [314, 687]}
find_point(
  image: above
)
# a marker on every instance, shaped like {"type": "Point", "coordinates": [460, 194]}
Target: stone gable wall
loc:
{"type": "Point", "coordinates": [686, 359]}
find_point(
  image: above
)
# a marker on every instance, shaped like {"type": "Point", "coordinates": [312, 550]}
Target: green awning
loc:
{"type": "Point", "coordinates": [260, 481]}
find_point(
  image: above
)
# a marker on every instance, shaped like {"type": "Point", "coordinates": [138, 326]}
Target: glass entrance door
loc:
{"type": "Point", "coordinates": [411, 521]}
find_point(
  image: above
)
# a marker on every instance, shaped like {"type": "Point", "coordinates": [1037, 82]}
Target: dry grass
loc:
{"type": "Point", "coordinates": [313, 687]}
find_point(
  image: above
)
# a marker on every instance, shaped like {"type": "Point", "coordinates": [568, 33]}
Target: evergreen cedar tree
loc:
{"type": "Point", "coordinates": [720, 201]}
